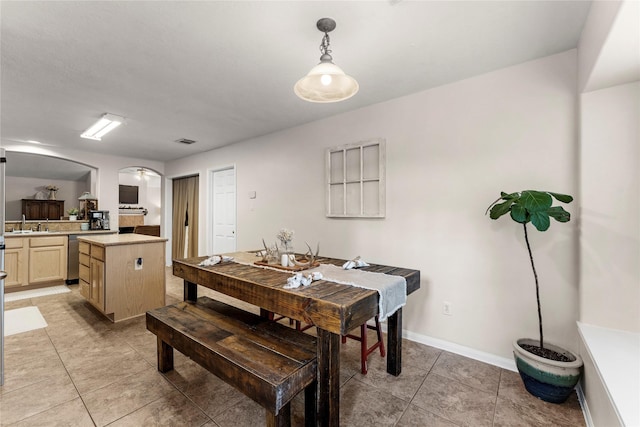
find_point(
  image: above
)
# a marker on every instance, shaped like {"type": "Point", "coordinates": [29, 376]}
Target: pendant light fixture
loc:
{"type": "Point", "coordinates": [326, 82]}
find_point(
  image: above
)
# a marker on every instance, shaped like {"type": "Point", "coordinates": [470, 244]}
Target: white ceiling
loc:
{"type": "Point", "coordinates": [27, 165]}
{"type": "Point", "coordinates": [223, 72]}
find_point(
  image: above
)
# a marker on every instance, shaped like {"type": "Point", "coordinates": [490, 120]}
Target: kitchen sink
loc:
{"type": "Point", "coordinates": [25, 232]}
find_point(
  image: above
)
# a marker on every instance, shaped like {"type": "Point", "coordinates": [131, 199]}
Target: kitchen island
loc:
{"type": "Point", "coordinates": [123, 275]}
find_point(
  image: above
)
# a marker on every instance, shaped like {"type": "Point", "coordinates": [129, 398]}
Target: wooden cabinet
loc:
{"type": "Point", "coordinates": [16, 259]}
{"type": "Point", "coordinates": [47, 259]}
{"type": "Point", "coordinates": [42, 209]}
{"type": "Point", "coordinates": [84, 269]}
{"type": "Point", "coordinates": [123, 276]}
{"type": "Point", "coordinates": [130, 220]}
{"type": "Point", "coordinates": [96, 292]}
{"type": "Point", "coordinates": [91, 272]}
{"type": "Point", "coordinates": [35, 260]}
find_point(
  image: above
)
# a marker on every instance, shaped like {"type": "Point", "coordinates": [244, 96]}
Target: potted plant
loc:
{"type": "Point", "coordinates": [73, 214]}
{"type": "Point", "coordinates": [549, 372]}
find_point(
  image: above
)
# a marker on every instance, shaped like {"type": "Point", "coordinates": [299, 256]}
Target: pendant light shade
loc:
{"type": "Point", "coordinates": [326, 82]}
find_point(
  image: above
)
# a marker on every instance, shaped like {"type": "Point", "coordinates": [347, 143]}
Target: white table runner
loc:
{"type": "Point", "coordinates": [392, 290]}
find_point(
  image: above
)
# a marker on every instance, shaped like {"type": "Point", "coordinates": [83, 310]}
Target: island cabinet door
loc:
{"type": "Point", "coordinates": [96, 289]}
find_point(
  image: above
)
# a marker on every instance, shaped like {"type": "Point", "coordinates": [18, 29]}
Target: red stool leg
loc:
{"type": "Point", "coordinates": [365, 351]}
{"type": "Point", "coordinates": [380, 340]}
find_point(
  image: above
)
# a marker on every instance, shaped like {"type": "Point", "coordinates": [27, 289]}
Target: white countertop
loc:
{"type": "Point", "coordinates": [60, 233]}
{"type": "Point", "coordinates": [121, 239]}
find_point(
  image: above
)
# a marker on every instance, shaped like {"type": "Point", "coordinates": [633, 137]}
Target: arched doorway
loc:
{"type": "Point", "coordinates": [139, 199]}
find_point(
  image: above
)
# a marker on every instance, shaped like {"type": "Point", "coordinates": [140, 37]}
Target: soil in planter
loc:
{"type": "Point", "coordinates": [546, 353]}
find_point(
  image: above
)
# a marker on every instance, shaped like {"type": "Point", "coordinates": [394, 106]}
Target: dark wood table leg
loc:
{"type": "Point", "coordinates": [266, 314]}
{"type": "Point", "coordinates": [328, 378]}
{"type": "Point", "coordinates": [165, 356]}
{"type": "Point", "coordinates": [190, 291]}
{"type": "Point", "coordinates": [394, 343]}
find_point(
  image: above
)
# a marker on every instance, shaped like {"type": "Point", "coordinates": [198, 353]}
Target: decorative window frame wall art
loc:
{"type": "Point", "coordinates": [355, 180]}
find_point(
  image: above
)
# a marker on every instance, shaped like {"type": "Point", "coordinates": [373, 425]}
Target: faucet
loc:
{"type": "Point", "coordinates": [24, 222]}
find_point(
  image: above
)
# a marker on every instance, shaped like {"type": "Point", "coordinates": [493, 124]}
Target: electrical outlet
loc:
{"type": "Point", "coordinates": [446, 308]}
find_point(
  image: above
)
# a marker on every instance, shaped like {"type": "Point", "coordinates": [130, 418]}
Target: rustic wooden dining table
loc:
{"type": "Point", "coordinates": [333, 308]}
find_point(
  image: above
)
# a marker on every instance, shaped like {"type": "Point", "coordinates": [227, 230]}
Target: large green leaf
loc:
{"type": "Point", "coordinates": [564, 198]}
{"type": "Point", "coordinates": [518, 213]}
{"type": "Point", "coordinates": [535, 201]}
{"type": "Point", "coordinates": [500, 209]}
{"type": "Point", "coordinates": [559, 214]}
{"type": "Point", "coordinates": [509, 196]}
{"type": "Point", "coordinates": [540, 220]}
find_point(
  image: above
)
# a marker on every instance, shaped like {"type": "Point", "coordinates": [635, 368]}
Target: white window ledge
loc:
{"type": "Point", "coordinates": [616, 355]}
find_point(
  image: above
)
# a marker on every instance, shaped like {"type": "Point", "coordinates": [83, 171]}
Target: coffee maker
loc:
{"type": "Point", "coordinates": [99, 220]}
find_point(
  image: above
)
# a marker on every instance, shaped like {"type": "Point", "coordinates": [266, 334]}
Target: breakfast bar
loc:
{"type": "Point", "coordinates": [334, 308]}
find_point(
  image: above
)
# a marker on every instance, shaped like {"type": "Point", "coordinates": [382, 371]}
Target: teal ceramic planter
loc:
{"type": "Point", "coordinates": [549, 380]}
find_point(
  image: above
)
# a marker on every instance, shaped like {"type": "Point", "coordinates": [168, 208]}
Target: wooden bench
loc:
{"type": "Point", "coordinates": [268, 362]}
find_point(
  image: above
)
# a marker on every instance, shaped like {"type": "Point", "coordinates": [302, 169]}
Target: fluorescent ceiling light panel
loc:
{"type": "Point", "coordinates": [106, 124]}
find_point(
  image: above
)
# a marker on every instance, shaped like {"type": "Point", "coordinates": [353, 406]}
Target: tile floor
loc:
{"type": "Point", "coordinates": [82, 370]}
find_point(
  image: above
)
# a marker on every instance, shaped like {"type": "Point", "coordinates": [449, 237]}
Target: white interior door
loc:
{"type": "Point", "coordinates": [224, 210]}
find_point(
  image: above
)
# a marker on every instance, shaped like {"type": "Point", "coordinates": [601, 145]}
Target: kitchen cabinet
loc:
{"type": "Point", "coordinates": [123, 275]}
{"type": "Point", "coordinates": [42, 209]}
{"type": "Point", "coordinates": [47, 259]}
{"type": "Point", "coordinates": [16, 259]}
{"type": "Point", "coordinates": [91, 274]}
{"type": "Point", "coordinates": [84, 269]}
{"type": "Point", "coordinates": [97, 283]}
{"type": "Point", "coordinates": [35, 260]}
{"type": "Point", "coordinates": [130, 220]}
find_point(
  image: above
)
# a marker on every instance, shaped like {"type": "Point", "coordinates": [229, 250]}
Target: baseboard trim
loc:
{"type": "Point", "coordinates": [471, 353]}
{"type": "Point", "coordinates": [583, 404]}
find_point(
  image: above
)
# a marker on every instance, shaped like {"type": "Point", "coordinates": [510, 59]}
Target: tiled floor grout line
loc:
{"type": "Point", "coordinates": [495, 405]}
{"type": "Point", "coordinates": [70, 378]}
{"type": "Point", "coordinates": [187, 397]}
{"type": "Point", "coordinates": [425, 380]}
{"type": "Point", "coordinates": [45, 379]}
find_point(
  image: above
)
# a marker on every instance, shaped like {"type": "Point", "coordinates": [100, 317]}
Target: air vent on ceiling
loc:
{"type": "Point", "coordinates": [185, 141]}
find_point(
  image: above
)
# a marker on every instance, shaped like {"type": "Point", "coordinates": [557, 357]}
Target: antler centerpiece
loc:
{"type": "Point", "coordinates": [310, 257]}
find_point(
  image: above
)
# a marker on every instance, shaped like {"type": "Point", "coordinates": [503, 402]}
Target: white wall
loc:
{"type": "Point", "coordinates": [609, 47]}
{"type": "Point", "coordinates": [450, 151]}
{"type": "Point", "coordinates": [610, 194]}
{"type": "Point", "coordinates": [602, 14]}
{"type": "Point", "coordinates": [18, 188]}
